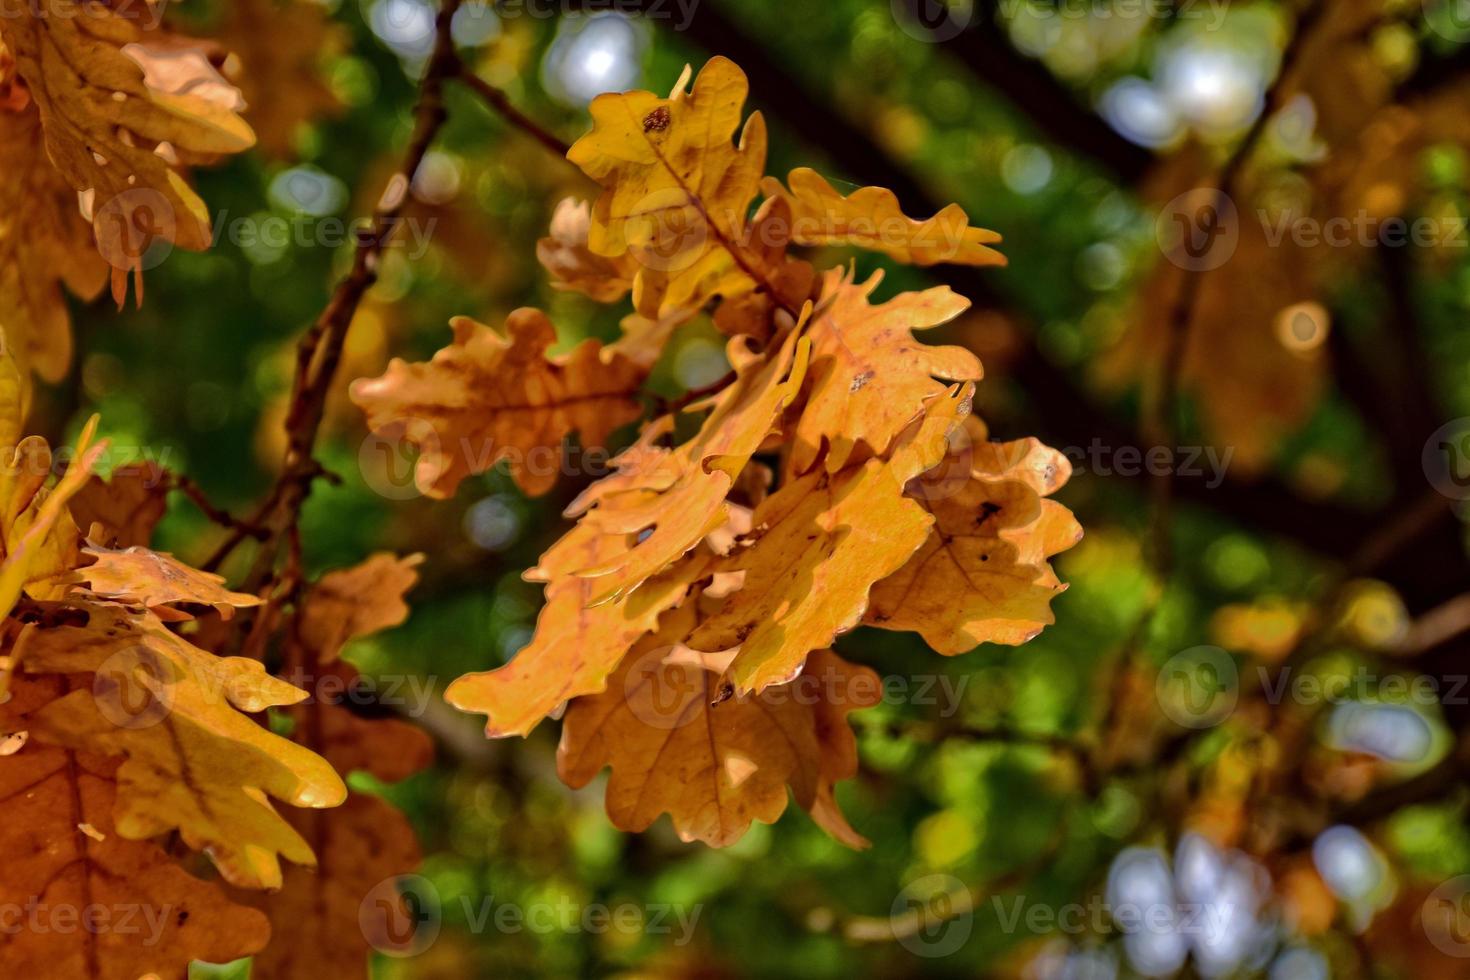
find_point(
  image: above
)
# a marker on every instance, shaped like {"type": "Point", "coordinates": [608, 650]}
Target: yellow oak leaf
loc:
{"type": "Point", "coordinates": [870, 218]}
{"type": "Point", "coordinates": [676, 189]}
{"type": "Point", "coordinates": [982, 576]}
{"type": "Point", "coordinates": [680, 495]}
{"type": "Point", "coordinates": [715, 767]}
{"type": "Point", "coordinates": [870, 377]}
{"type": "Point", "coordinates": [486, 397]}
{"type": "Point", "coordinates": [351, 602]}
{"type": "Point", "coordinates": [65, 857]}
{"type": "Point", "coordinates": [818, 546]}
{"type": "Point", "coordinates": [574, 266]}
{"type": "Point", "coordinates": [45, 243]}
{"type": "Point", "coordinates": [41, 541]}
{"type": "Point", "coordinates": [282, 48]}
{"type": "Point", "coordinates": [576, 645]}
{"type": "Point", "coordinates": [124, 106]}
{"type": "Point", "coordinates": [195, 761]}
{"type": "Point", "coordinates": [156, 579]}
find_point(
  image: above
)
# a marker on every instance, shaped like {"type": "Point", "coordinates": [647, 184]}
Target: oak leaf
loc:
{"type": "Point", "coordinates": [574, 266]}
{"type": "Point", "coordinates": [124, 106]}
{"type": "Point", "coordinates": [869, 376]}
{"type": "Point", "coordinates": [820, 544]}
{"type": "Point", "coordinates": [158, 580]}
{"type": "Point", "coordinates": [676, 188]}
{"type": "Point", "coordinates": [195, 761]}
{"type": "Point", "coordinates": [358, 601]}
{"type": "Point", "coordinates": [576, 644]}
{"type": "Point", "coordinates": [660, 503]}
{"type": "Point", "coordinates": [982, 575]}
{"type": "Point", "coordinates": [715, 767]}
{"type": "Point", "coordinates": [487, 397]}
{"type": "Point", "coordinates": [870, 218]}
{"type": "Point", "coordinates": [63, 852]}
{"type": "Point", "coordinates": [45, 244]}
{"type": "Point", "coordinates": [127, 506]}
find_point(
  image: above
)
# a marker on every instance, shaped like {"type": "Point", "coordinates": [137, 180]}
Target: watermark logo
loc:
{"type": "Point", "coordinates": [388, 457]}
{"type": "Point", "coordinates": [1198, 230]}
{"type": "Point", "coordinates": [933, 916]}
{"type": "Point", "coordinates": [933, 21]}
{"type": "Point", "coordinates": [133, 688]}
{"type": "Point", "coordinates": [135, 229]}
{"type": "Point", "coordinates": [1446, 459]}
{"type": "Point", "coordinates": [1445, 915]}
{"type": "Point", "coordinates": [400, 916]}
{"type": "Point", "coordinates": [1198, 688]}
{"type": "Point", "coordinates": [1450, 19]}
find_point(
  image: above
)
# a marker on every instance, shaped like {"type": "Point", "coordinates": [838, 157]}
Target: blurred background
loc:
{"type": "Point", "coordinates": [1269, 706]}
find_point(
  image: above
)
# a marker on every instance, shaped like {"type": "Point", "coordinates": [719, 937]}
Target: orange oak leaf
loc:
{"type": "Point", "coordinates": [676, 188]}
{"type": "Point", "coordinates": [45, 243]}
{"type": "Point", "coordinates": [870, 218]}
{"type": "Point", "coordinates": [574, 266]}
{"type": "Point", "coordinates": [195, 761]}
{"type": "Point", "coordinates": [665, 501]}
{"type": "Point", "coordinates": [715, 767]}
{"type": "Point", "coordinates": [486, 397]}
{"type": "Point", "coordinates": [156, 580]}
{"type": "Point", "coordinates": [982, 576]}
{"type": "Point", "coordinates": [358, 601]}
{"type": "Point", "coordinates": [820, 544]}
{"type": "Point", "coordinates": [317, 928]}
{"type": "Point", "coordinates": [124, 105]}
{"type": "Point", "coordinates": [870, 377]}
{"type": "Point", "coordinates": [127, 505]}
{"type": "Point", "coordinates": [132, 911]}
{"type": "Point", "coordinates": [576, 645]}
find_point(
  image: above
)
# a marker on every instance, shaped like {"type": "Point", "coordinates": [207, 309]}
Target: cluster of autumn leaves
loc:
{"type": "Point", "coordinates": [837, 479]}
{"type": "Point", "coordinates": [131, 740]}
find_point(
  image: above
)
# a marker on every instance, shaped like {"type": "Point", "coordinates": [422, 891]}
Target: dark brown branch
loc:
{"type": "Point", "coordinates": [1163, 420]}
{"type": "Point", "coordinates": [320, 350]}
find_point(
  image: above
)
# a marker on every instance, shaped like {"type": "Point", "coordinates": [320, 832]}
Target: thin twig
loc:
{"type": "Point", "coordinates": [501, 104]}
{"type": "Point", "coordinates": [319, 351]}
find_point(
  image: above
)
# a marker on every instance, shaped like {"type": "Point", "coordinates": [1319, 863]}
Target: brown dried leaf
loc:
{"type": "Point", "coordinates": [487, 397]}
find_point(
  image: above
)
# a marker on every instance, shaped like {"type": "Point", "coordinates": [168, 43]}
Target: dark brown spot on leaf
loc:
{"type": "Point", "coordinates": [657, 121]}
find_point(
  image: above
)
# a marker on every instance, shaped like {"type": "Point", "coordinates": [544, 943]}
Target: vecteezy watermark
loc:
{"type": "Point", "coordinates": [1100, 459]}
{"type": "Point", "coordinates": [400, 460]}
{"type": "Point", "coordinates": [149, 14]}
{"type": "Point", "coordinates": [1198, 688]}
{"type": "Point", "coordinates": [40, 465]}
{"type": "Point", "coordinates": [663, 692]}
{"type": "Point", "coordinates": [933, 916]}
{"type": "Point", "coordinates": [1362, 230]}
{"type": "Point", "coordinates": [136, 230]}
{"type": "Point", "coordinates": [1446, 459]}
{"type": "Point", "coordinates": [1449, 19]}
{"type": "Point", "coordinates": [403, 917]}
{"type": "Point", "coordinates": [1094, 916]}
{"type": "Point", "coordinates": [680, 12]}
{"type": "Point", "coordinates": [1445, 916]}
{"type": "Point", "coordinates": [65, 919]}
{"type": "Point", "coordinates": [1199, 229]}
{"type": "Point", "coordinates": [1212, 12]}
{"type": "Point", "coordinates": [136, 688]}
